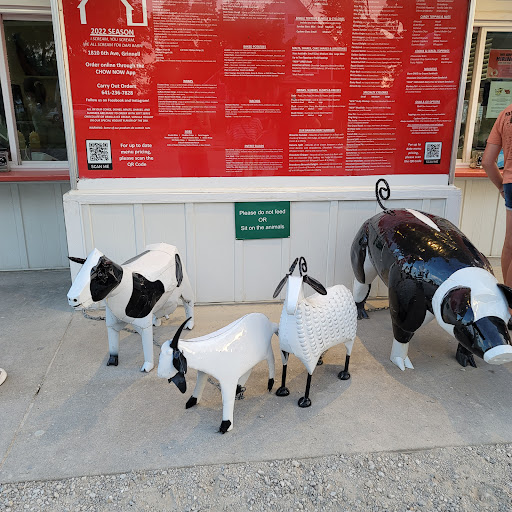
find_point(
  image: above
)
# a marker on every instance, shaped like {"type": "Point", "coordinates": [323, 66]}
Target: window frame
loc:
{"type": "Point", "coordinates": [482, 29]}
{"type": "Point", "coordinates": [16, 163]}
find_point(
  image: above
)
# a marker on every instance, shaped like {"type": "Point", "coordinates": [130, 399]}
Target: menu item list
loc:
{"type": "Point", "coordinates": [193, 88]}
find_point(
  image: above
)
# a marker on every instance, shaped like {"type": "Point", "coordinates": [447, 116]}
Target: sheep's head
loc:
{"type": "Point", "coordinates": [172, 364]}
{"type": "Point", "coordinates": [295, 284]}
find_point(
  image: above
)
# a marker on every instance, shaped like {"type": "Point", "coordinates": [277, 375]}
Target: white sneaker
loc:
{"type": "Point", "coordinates": [3, 376]}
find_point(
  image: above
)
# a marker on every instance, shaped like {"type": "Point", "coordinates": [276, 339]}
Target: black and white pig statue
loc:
{"type": "Point", "coordinates": [432, 270]}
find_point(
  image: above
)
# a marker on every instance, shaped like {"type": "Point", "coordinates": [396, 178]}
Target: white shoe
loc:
{"type": "Point", "coordinates": [3, 376]}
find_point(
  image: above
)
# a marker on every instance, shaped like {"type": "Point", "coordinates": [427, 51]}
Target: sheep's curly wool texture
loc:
{"type": "Point", "coordinates": [320, 322]}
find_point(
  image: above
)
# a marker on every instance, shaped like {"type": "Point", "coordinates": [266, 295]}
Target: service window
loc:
{"type": "Point", "coordinates": [35, 90]}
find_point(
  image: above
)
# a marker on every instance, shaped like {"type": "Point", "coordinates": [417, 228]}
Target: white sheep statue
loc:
{"type": "Point", "coordinates": [309, 326]}
{"type": "Point", "coordinates": [228, 354]}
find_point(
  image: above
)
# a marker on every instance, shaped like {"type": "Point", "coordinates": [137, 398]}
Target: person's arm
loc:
{"type": "Point", "coordinates": [489, 164]}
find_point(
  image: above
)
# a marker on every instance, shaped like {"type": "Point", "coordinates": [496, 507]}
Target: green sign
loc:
{"type": "Point", "coordinates": [262, 220]}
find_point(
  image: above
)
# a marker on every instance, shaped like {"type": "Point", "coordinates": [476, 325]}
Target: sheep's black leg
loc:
{"type": "Point", "coordinates": [344, 375]}
{"type": "Point", "coordinates": [305, 401]}
{"type": "Point", "coordinates": [283, 390]}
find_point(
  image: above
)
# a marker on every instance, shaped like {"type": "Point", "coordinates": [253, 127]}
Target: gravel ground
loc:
{"type": "Point", "coordinates": [461, 479]}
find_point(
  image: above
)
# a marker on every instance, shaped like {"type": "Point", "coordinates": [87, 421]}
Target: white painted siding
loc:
{"type": "Point", "coordinates": [32, 230]}
{"type": "Point", "coordinates": [221, 268]}
{"type": "Point", "coordinates": [493, 10]}
{"type": "Point", "coordinates": [482, 215]}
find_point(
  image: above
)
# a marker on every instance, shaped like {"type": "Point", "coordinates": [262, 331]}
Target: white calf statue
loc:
{"type": "Point", "coordinates": [228, 354]}
{"type": "Point", "coordinates": [310, 326]}
{"type": "Point", "coordinates": [138, 292]}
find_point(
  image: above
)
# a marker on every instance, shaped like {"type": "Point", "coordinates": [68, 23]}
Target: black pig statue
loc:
{"type": "Point", "coordinates": [432, 270]}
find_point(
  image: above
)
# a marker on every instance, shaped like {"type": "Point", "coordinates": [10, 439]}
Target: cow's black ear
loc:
{"type": "Point", "coordinates": [179, 269]}
{"type": "Point", "coordinates": [77, 260]}
{"type": "Point", "coordinates": [179, 380]}
{"type": "Point", "coordinates": [456, 307]}
{"type": "Point", "coordinates": [508, 293]}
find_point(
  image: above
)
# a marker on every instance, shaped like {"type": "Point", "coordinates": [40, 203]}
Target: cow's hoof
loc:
{"type": "Point", "coordinates": [270, 384]}
{"type": "Point", "coordinates": [343, 375]}
{"type": "Point", "coordinates": [191, 402]}
{"type": "Point", "coordinates": [465, 357]}
{"type": "Point", "coordinates": [147, 367]}
{"type": "Point", "coordinates": [304, 402]}
{"type": "Point", "coordinates": [283, 391]}
{"type": "Point", "coordinates": [225, 426]}
{"type": "Point", "coordinates": [113, 361]}
{"type": "Point", "coordinates": [361, 312]}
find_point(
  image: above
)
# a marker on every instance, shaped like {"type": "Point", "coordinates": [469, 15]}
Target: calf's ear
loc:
{"type": "Point", "coordinates": [508, 293]}
{"type": "Point", "coordinates": [456, 307]}
{"type": "Point", "coordinates": [179, 380]}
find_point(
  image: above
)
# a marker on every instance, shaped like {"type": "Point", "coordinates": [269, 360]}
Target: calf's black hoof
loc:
{"type": "Point", "coordinates": [224, 426]}
{"type": "Point", "coordinates": [304, 402]}
{"type": "Point", "coordinates": [239, 392]}
{"type": "Point", "coordinates": [283, 391]}
{"type": "Point", "coordinates": [343, 375]}
{"type": "Point", "coordinates": [113, 361]}
{"type": "Point", "coordinates": [270, 384]}
{"type": "Point", "coordinates": [191, 402]}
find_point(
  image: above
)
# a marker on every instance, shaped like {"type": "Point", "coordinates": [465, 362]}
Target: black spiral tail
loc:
{"type": "Point", "coordinates": [382, 192]}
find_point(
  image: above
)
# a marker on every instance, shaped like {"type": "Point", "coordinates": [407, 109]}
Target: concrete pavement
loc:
{"type": "Point", "coordinates": [64, 413]}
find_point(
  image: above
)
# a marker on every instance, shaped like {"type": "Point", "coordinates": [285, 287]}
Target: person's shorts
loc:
{"type": "Point", "coordinates": [507, 190]}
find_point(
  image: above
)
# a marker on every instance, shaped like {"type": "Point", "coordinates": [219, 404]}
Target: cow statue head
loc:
{"type": "Point", "coordinates": [96, 279]}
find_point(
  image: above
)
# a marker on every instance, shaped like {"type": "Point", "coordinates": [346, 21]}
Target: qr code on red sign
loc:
{"type": "Point", "coordinates": [99, 152]}
{"type": "Point", "coordinates": [433, 152]}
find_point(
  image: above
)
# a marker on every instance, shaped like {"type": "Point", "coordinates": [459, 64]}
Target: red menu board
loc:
{"type": "Point", "coordinates": [192, 88]}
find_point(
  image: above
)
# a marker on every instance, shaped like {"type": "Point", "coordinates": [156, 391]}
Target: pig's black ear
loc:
{"type": "Point", "coordinates": [456, 307]}
{"type": "Point", "coordinates": [508, 293]}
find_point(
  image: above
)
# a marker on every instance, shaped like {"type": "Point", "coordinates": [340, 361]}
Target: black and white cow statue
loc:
{"type": "Point", "coordinates": [432, 270]}
{"type": "Point", "coordinates": [138, 292]}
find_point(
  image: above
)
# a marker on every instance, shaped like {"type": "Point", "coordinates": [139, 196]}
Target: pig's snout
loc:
{"type": "Point", "coordinates": [493, 338]}
{"type": "Point", "coordinates": [499, 355]}
{"type": "Point", "coordinates": [487, 338]}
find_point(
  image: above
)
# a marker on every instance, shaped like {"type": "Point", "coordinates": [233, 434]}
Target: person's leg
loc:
{"type": "Point", "coordinates": [506, 253]}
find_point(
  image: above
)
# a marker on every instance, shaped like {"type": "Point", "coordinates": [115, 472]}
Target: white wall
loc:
{"type": "Point", "coordinates": [32, 230]}
{"type": "Point", "coordinates": [482, 215]}
{"type": "Point", "coordinates": [493, 10]}
{"type": "Point", "coordinates": [323, 224]}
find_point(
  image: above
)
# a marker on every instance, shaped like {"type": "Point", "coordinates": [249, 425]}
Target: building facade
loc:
{"type": "Point", "coordinates": [56, 205]}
